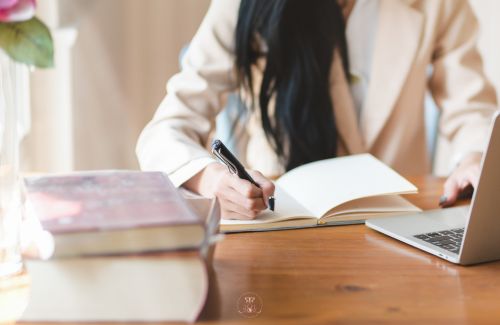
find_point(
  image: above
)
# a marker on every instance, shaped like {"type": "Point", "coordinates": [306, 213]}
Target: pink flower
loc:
{"type": "Point", "coordinates": [16, 10]}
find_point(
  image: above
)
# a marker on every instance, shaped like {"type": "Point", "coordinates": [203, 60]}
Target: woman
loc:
{"type": "Point", "coordinates": [317, 88]}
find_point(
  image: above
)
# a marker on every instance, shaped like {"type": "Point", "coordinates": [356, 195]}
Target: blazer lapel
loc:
{"type": "Point", "coordinates": [397, 39]}
{"type": "Point", "coordinates": [345, 115]}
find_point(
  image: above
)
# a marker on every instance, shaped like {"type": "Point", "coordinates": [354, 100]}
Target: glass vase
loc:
{"type": "Point", "coordinates": [14, 96]}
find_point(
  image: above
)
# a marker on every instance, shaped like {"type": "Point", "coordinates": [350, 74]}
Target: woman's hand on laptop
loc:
{"type": "Point", "coordinates": [238, 198]}
{"type": "Point", "coordinates": [465, 176]}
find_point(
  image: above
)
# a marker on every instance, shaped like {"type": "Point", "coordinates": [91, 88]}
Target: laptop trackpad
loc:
{"type": "Point", "coordinates": [423, 222]}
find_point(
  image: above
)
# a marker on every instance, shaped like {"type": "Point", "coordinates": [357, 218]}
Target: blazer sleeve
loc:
{"type": "Point", "coordinates": [458, 84]}
{"type": "Point", "coordinates": [175, 140]}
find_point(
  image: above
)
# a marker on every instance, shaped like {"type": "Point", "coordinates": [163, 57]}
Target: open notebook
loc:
{"type": "Point", "coordinates": [343, 190]}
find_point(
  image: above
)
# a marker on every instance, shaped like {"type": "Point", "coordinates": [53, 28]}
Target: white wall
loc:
{"type": "Point", "coordinates": [125, 53]}
{"type": "Point", "coordinates": [89, 114]}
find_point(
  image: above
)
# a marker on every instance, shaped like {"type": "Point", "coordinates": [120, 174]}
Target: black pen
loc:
{"type": "Point", "coordinates": [234, 166]}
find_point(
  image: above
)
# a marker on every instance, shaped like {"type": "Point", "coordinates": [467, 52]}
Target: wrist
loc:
{"type": "Point", "coordinates": [204, 182]}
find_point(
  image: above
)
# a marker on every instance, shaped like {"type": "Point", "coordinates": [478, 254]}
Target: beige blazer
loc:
{"type": "Point", "coordinates": [411, 35]}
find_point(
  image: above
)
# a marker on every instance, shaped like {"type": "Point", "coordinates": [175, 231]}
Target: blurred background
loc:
{"type": "Point", "coordinates": [113, 59]}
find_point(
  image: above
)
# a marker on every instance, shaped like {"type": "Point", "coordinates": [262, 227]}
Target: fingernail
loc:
{"type": "Point", "coordinates": [442, 200]}
{"type": "Point", "coordinates": [271, 203]}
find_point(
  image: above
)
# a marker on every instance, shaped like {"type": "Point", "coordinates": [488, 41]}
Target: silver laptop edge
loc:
{"type": "Point", "coordinates": [379, 226]}
{"type": "Point", "coordinates": [481, 237]}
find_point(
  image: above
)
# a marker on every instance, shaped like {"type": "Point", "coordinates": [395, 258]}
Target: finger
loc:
{"type": "Point", "coordinates": [251, 204]}
{"type": "Point", "coordinates": [473, 176]}
{"type": "Point", "coordinates": [451, 191]}
{"type": "Point", "coordinates": [244, 187]}
{"type": "Point", "coordinates": [469, 181]}
{"type": "Point", "coordinates": [467, 185]}
{"type": "Point", "coordinates": [235, 211]}
{"type": "Point", "coordinates": [230, 215]}
{"type": "Point", "coordinates": [228, 194]}
{"type": "Point", "coordinates": [266, 185]}
{"type": "Point", "coordinates": [236, 203]}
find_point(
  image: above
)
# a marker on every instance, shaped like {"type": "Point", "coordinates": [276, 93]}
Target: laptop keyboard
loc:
{"type": "Point", "coordinates": [446, 239]}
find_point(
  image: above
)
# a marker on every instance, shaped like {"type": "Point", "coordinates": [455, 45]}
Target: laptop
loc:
{"type": "Point", "coordinates": [463, 235]}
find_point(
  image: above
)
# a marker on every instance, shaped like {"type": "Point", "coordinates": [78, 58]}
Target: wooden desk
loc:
{"type": "Point", "coordinates": [348, 274]}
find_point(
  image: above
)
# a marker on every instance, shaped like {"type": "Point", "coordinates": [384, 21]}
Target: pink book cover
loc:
{"type": "Point", "coordinates": [106, 200]}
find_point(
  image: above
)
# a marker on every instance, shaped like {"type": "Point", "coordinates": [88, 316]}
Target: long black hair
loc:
{"type": "Point", "coordinates": [299, 38]}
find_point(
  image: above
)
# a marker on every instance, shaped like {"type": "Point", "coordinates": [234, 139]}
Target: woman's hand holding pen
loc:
{"type": "Point", "coordinates": [239, 199]}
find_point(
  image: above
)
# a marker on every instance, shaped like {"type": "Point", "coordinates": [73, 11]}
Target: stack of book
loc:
{"type": "Point", "coordinates": [128, 247]}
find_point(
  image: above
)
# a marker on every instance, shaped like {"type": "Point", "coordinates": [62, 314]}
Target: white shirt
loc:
{"type": "Point", "coordinates": [360, 33]}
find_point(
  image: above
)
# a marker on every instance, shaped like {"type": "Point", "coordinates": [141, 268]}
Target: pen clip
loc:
{"type": "Point", "coordinates": [229, 164]}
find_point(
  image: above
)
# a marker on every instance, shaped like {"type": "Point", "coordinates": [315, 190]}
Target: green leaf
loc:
{"type": "Point", "coordinates": [28, 42]}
